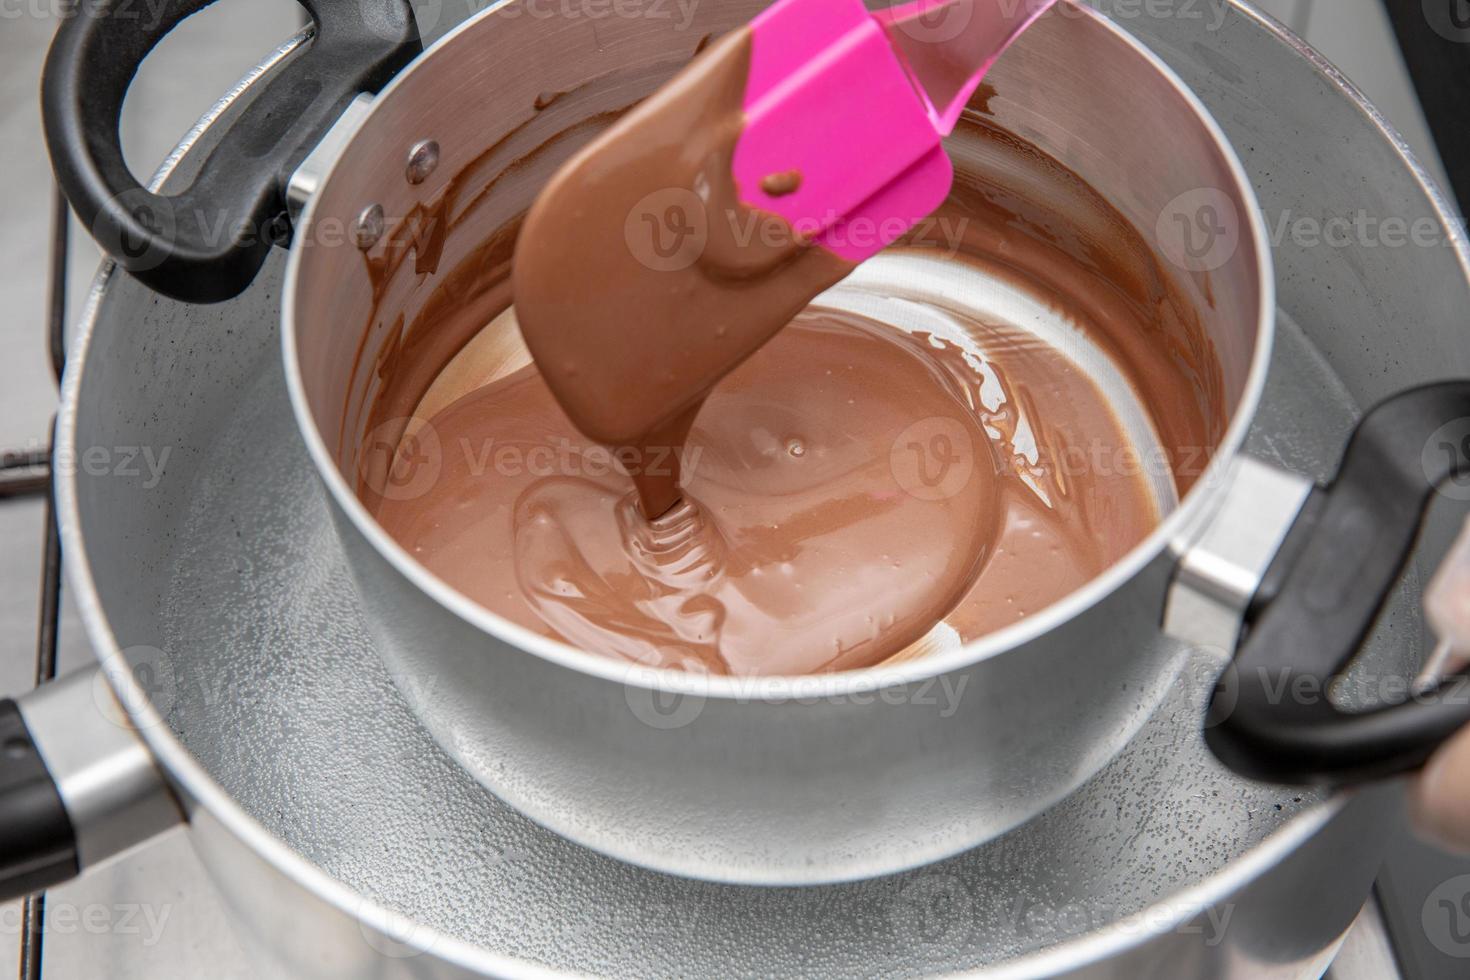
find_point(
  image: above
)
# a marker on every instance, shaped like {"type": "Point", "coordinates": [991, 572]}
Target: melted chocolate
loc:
{"type": "Point", "coordinates": [781, 184]}
{"type": "Point", "coordinates": [846, 489]}
{"type": "Point", "coordinates": [825, 527]}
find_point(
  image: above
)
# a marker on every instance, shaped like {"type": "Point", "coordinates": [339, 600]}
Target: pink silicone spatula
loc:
{"type": "Point", "coordinates": [857, 102]}
{"type": "Point", "coordinates": [841, 118]}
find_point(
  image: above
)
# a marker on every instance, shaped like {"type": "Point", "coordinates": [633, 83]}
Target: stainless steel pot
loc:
{"type": "Point", "coordinates": [768, 781]}
{"type": "Point", "coordinates": [285, 746]}
{"type": "Point", "coordinates": [823, 779]}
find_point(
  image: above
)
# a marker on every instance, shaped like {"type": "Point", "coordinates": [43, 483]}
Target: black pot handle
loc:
{"type": "Point", "coordinates": [39, 847]}
{"type": "Point", "coordinates": [1319, 601]}
{"type": "Point", "coordinates": [207, 242]}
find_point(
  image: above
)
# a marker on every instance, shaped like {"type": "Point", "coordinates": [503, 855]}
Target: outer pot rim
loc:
{"type": "Point", "coordinates": [779, 688]}
{"type": "Point", "coordinates": [201, 790]}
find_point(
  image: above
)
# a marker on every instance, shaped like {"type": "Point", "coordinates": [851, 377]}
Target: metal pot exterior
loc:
{"type": "Point", "coordinates": [1282, 918]}
{"type": "Point", "coordinates": [794, 789]}
{"type": "Point", "coordinates": [816, 779]}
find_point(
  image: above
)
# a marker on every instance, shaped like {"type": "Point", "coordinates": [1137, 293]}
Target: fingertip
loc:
{"type": "Point", "coordinates": [1439, 800]}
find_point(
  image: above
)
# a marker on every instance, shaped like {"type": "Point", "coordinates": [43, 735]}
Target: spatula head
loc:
{"type": "Point", "coordinates": [640, 277]}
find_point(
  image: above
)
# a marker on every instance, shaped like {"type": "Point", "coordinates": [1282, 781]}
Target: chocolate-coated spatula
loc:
{"type": "Point", "coordinates": [676, 243]}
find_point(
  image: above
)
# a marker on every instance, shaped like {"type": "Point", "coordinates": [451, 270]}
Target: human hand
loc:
{"type": "Point", "coordinates": [1439, 800]}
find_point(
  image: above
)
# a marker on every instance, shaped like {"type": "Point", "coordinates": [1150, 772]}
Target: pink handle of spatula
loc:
{"type": "Point", "coordinates": [948, 46]}
{"type": "Point", "coordinates": [857, 104]}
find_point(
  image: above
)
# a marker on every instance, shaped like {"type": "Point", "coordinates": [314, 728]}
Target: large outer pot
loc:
{"type": "Point", "coordinates": [1388, 321]}
{"type": "Point", "coordinates": [757, 780]}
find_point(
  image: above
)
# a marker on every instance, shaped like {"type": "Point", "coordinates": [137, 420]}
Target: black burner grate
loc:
{"type": "Point", "coordinates": [28, 474]}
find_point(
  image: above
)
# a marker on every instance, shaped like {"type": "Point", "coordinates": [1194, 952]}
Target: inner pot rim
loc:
{"type": "Point", "coordinates": [776, 688]}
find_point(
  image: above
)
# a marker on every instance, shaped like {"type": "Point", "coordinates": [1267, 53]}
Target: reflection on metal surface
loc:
{"type": "Point", "coordinates": [307, 179]}
{"type": "Point", "coordinates": [112, 791]}
{"type": "Point", "coordinates": [1225, 554]}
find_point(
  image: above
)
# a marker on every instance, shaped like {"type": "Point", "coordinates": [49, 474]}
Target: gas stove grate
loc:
{"type": "Point", "coordinates": [28, 474]}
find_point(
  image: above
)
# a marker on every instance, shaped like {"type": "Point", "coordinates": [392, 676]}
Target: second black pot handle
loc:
{"type": "Point", "coordinates": [40, 845]}
{"type": "Point", "coordinates": [78, 784]}
{"type": "Point", "coordinates": [1320, 599]}
{"type": "Point", "coordinates": [205, 243]}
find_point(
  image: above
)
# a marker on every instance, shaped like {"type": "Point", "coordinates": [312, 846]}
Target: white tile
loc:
{"type": "Point", "coordinates": [152, 915]}
{"type": "Point", "coordinates": [27, 391]}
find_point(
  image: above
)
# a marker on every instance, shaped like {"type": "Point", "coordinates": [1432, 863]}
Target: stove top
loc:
{"type": "Point", "coordinates": [153, 913]}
